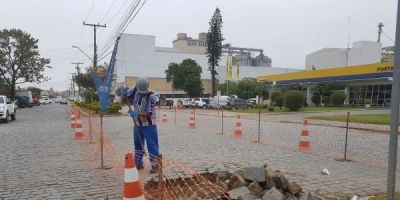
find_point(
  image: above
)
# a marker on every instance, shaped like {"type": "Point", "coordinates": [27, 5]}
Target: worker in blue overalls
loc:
{"type": "Point", "coordinates": [145, 131]}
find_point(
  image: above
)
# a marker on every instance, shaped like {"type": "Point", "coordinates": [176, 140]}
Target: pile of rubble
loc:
{"type": "Point", "coordinates": [258, 183]}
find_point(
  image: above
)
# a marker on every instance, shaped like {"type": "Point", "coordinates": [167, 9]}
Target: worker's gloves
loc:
{"type": "Point", "coordinates": [132, 113]}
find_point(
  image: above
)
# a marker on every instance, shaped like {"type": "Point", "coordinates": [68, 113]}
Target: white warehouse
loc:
{"type": "Point", "coordinates": [362, 52]}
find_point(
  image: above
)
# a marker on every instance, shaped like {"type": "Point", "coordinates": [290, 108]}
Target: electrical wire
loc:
{"type": "Point", "coordinates": [108, 11]}
{"type": "Point", "coordinates": [90, 10]}
{"type": "Point", "coordinates": [134, 15]}
{"type": "Point", "coordinates": [388, 37]}
{"type": "Point", "coordinates": [119, 10]}
{"type": "Point", "coordinates": [123, 25]}
{"type": "Point", "coordinates": [116, 31]}
{"type": "Point", "coordinates": [105, 56]}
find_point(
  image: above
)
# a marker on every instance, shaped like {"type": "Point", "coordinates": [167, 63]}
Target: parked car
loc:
{"type": "Point", "coordinates": [223, 102]}
{"type": "Point", "coordinates": [63, 101]}
{"type": "Point", "coordinates": [23, 102]}
{"type": "Point", "coordinates": [58, 99]}
{"type": "Point", "coordinates": [201, 102]}
{"type": "Point", "coordinates": [169, 103]}
{"type": "Point", "coordinates": [253, 101]}
{"type": "Point", "coordinates": [187, 103]}
{"type": "Point", "coordinates": [7, 109]}
{"type": "Point", "coordinates": [239, 103]}
{"type": "Point", "coordinates": [27, 94]}
{"type": "Point", "coordinates": [42, 101]}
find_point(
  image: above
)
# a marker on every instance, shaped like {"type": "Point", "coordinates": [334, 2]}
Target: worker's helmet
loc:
{"type": "Point", "coordinates": [142, 85]}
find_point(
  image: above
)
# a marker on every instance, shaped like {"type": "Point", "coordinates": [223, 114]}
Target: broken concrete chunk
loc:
{"type": "Point", "coordinates": [255, 174]}
{"type": "Point", "coordinates": [239, 192]}
{"type": "Point", "coordinates": [273, 194]}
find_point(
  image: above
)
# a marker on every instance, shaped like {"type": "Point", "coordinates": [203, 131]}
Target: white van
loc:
{"type": "Point", "coordinates": [223, 102]}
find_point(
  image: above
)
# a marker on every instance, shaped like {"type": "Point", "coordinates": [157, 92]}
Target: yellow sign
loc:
{"type": "Point", "coordinates": [229, 68]}
{"type": "Point", "coordinates": [238, 65]}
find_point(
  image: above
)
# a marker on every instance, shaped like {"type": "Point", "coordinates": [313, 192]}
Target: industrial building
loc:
{"type": "Point", "coordinates": [362, 52]}
{"type": "Point", "coordinates": [138, 56]}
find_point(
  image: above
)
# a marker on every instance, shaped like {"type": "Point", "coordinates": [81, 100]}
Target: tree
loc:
{"type": "Point", "coordinates": [20, 61]}
{"type": "Point", "coordinates": [185, 76]}
{"type": "Point", "coordinates": [275, 95]}
{"type": "Point", "coordinates": [248, 88]}
{"type": "Point", "coordinates": [214, 45]}
{"type": "Point", "coordinates": [294, 100]}
{"type": "Point", "coordinates": [85, 80]}
{"type": "Point", "coordinates": [279, 102]}
{"type": "Point", "coordinates": [35, 91]}
{"type": "Point", "coordinates": [228, 88]}
{"type": "Point", "coordinates": [316, 99]}
{"type": "Point", "coordinates": [337, 98]}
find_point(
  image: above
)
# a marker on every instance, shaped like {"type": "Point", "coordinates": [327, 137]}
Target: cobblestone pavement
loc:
{"type": "Point", "coordinates": [369, 147]}
{"type": "Point", "coordinates": [40, 160]}
{"type": "Point", "coordinates": [204, 148]}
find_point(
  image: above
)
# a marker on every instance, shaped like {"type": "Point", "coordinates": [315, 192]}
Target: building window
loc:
{"type": "Point", "coordinates": [192, 43]}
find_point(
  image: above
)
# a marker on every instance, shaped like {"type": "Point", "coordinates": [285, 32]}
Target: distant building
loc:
{"type": "Point", "coordinates": [138, 56]}
{"type": "Point", "coordinates": [362, 52]}
{"type": "Point", "coordinates": [186, 44]}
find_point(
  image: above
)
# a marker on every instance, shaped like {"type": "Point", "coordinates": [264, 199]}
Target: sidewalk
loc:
{"type": "Point", "coordinates": [207, 151]}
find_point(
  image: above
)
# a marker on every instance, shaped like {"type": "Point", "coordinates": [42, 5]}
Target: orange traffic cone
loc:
{"type": "Point", "coordinates": [73, 117]}
{"type": "Point", "coordinates": [238, 129]}
{"type": "Point", "coordinates": [78, 130]}
{"type": "Point", "coordinates": [132, 187]}
{"type": "Point", "coordinates": [74, 122]}
{"type": "Point", "coordinates": [191, 121]}
{"type": "Point", "coordinates": [164, 118]}
{"type": "Point", "coordinates": [304, 143]}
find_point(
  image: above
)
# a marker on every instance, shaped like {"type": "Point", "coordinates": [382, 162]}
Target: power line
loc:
{"type": "Point", "coordinates": [388, 36]}
{"type": "Point", "coordinates": [108, 11]}
{"type": "Point", "coordinates": [117, 29]}
{"type": "Point", "coordinates": [119, 10]}
{"type": "Point", "coordinates": [133, 11]}
{"type": "Point", "coordinates": [105, 56]}
{"type": "Point", "coordinates": [134, 16]}
{"type": "Point", "coordinates": [90, 10]}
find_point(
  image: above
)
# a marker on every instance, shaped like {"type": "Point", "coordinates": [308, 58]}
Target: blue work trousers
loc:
{"type": "Point", "coordinates": [145, 135]}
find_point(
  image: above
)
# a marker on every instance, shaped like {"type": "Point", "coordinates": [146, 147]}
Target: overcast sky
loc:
{"type": "Point", "coordinates": [287, 30]}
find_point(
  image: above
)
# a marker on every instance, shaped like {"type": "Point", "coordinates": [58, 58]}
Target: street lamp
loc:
{"type": "Point", "coordinates": [76, 47]}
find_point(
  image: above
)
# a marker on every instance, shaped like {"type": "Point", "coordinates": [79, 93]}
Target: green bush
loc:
{"type": "Point", "coordinates": [271, 109]}
{"type": "Point", "coordinates": [90, 96]}
{"type": "Point", "coordinates": [274, 96]}
{"type": "Point", "coordinates": [294, 100]}
{"type": "Point", "coordinates": [262, 106]}
{"type": "Point", "coordinates": [337, 98]}
{"type": "Point", "coordinates": [316, 99]}
{"type": "Point", "coordinates": [326, 100]}
{"type": "Point", "coordinates": [95, 106]}
{"type": "Point", "coordinates": [279, 101]}
{"type": "Point", "coordinates": [114, 108]}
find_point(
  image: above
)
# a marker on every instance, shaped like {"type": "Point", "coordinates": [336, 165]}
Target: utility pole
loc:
{"type": "Point", "coordinates": [95, 45]}
{"type": "Point", "coordinates": [380, 30]}
{"type": "Point", "coordinates": [78, 71]}
{"type": "Point", "coordinates": [348, 44]}
{"type": "Point", "coordinates": [394, 112]}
